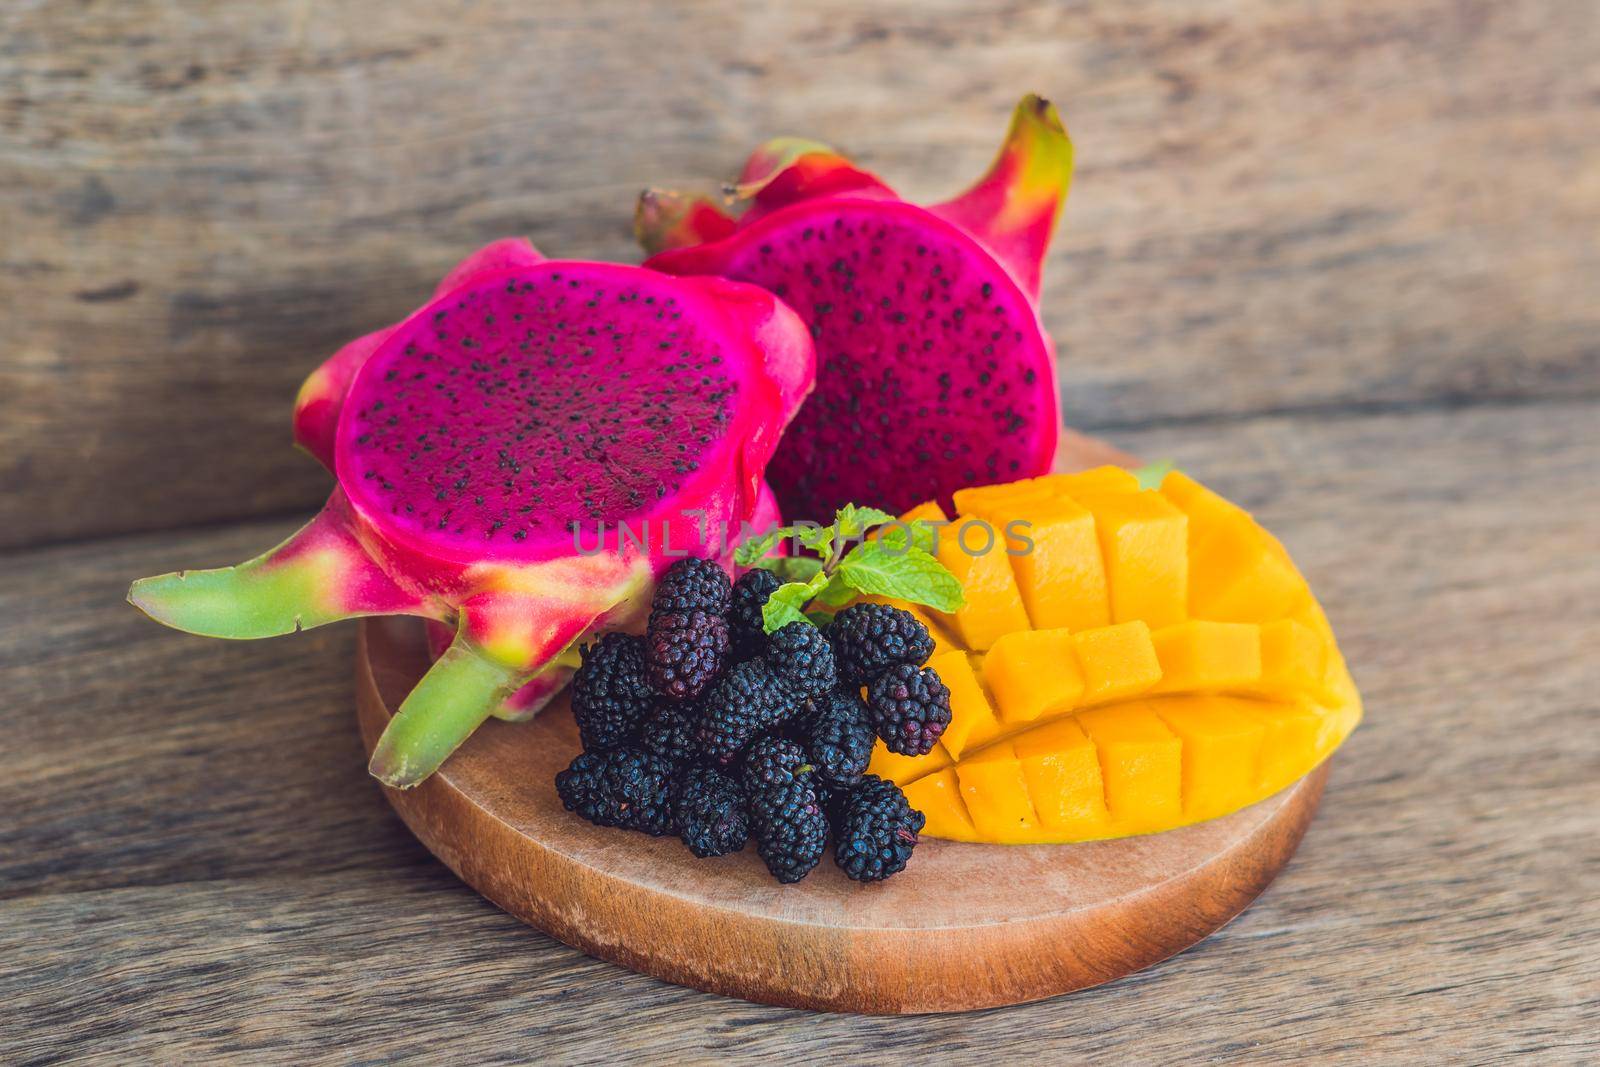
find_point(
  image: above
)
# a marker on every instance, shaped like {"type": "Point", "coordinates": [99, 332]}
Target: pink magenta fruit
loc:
{"type": "Point", "coordinates": [518, 460]}
{"type": "Point", "coordinates": [934, 369]}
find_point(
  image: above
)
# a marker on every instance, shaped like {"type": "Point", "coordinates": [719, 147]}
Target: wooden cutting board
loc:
{"type": "Point", "coordinates": [964, 926]}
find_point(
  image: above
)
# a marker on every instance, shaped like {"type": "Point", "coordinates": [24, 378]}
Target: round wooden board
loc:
{"type": "Point", "coordinates": [964, 926]}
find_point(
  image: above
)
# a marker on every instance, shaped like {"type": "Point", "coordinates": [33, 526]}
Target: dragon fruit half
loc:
{"type": "Point", "coordinates": [935, 372]}
{"type": "Point", "coordinates": [518, 460]}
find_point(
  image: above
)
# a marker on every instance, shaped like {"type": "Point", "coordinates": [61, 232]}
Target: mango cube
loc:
{"type": "Point", "coordinates": [972, 720]}
{"type": "Point", "coordinates": [1221, 751]}
{"type": "Point", "coordinates": [1096, 480]}
{"type": "Point", "coordinates": [1141, 762]}
{"type": "Point", "coordinates": [1200, 654]}
{"type": "Point", "coordinates": [1117, 662]}
{"type": "Point", "coordinates": [1294, 658]}
{"type": "Point", "coordinates": [938, 797]}
{"type": "Point", "coordinates": [1062, 769]}
{"type": "Point", "coordinates": [1238, 571]}
{"type": "Point", "coordinates": [1291, 739]}
{"type": "Point", "coordinates": [1033, 673]}
{"type": "Point", "coordinates": [1144, 539]}
{"type": "Point", "coordinates": [901, 769]}
{"type": "Point", "coordinates": [1057, 561]}
{"type": "Point", "coordinates": [996, 794]}
{"type": "Point", "coordinates": [975, 553]}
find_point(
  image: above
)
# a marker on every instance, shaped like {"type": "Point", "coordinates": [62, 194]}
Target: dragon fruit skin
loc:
{"type": "Point", "coordinates": [934, 369]}
{"type": "Point", "coordinates": [628, 396]}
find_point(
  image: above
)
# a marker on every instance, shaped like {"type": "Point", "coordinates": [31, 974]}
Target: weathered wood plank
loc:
{"type": "Point", "coordinates": [196, 867]}
{"type": "Point", "coordinates": [1278, 206]}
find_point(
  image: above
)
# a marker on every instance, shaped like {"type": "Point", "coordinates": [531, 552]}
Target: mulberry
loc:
{"type": "Point", "coordinates": [610, 695]}
{"type": "Point", "coordinates": [692, 585]}
{"type": "Point", "coordinates": [910, 707]}
{"type": "Point", "coordinates": [786, 815]}
{"type": "Point", "coordinates": [668, 732]}
{"type": "Point", "coordinates": [684, 652]}
{"type": "Point", "coordinates": [802, 658]}
{"type": "Point", "coordinates": [837, 735]}
{"type": "Point", "coordinates": [749, 701]}
{"type": "Point", "coordinates": [626, 787]}
{"type": "Point", "coordinates": [708, 812]}
{"type": "Point", "coordinates": [874, 830]}
{"type": "Point", "coordinates": [867, 638]}
{"type": "Point", "coordinates": [746, 629]}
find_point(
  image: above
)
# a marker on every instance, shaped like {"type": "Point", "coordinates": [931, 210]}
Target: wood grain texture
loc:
{"type": "Point", "coordinates": [1279, 206]}
{"type": "Point", "coordinates": [195, 868]}
{"type": "Point", "coordinates": [966, 926]}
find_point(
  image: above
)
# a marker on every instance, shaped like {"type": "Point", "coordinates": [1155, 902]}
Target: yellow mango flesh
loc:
{"type": "Point", "coordinates": [1221, 752]}
{"type": "Point", "coordinates": [972, 718]}
{"type": "Point", "coordinates": [1033, 673]}
{"type": "Point", "coordinates": [1200, 678]}
{"type": "Point", "coordinates": [1062, 769]}
{"type": "Point", "coordinates": [996, 795]}
{"type": "Point", "coordinates": [1059, 571]}
{"type": "Point", "coordinates": [938, 797]}
{"type": "Point", "coordinates": [1118, 662]}
{"type": "Point", "coordinates": [993, 605]}
{"type": "Point", "coordinates": [1239, 572]}
{"type": "Point", "coordinates": [1144, 540]}
{"type": "Point", "coordinates": [1200, 654]}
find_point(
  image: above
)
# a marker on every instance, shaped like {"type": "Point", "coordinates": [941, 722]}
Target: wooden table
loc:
{"type": "Point", "coordinates": [1337, 259]}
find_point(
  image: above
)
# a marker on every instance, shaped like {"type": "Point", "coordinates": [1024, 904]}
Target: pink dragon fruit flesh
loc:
{"type": "Point", "coordinates": [486, 449]}
{"type": "Point", "coordinates": [934, 370]}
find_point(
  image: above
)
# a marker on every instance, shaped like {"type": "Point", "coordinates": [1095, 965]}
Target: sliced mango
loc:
{"type": "Point", "coordinates": [1095, 480]}
{"type": "Point", "coordinates": [1144, 540]}
{"type": "Point", "coordinates": [972, 550]}
{"type": "Point", "coordinates": [1239, 572]}
{"type": "Point", "coordinates": [1118, 662]}
{"type": "Point", "coordinates": [972, 720]}
{"type": "Point", "coordinates": [996, 795]}
{"type": "Point", "coordinates": [1056, 559]}
{"type": "Point", "coordinates": [1176, 667]}
{"type": "Point", "coordinates": [902, 769]}
{"type": "Point", "coordinates": [1141, 762]}
{"type": "Point", "coordinates": [1221, 752]}
{"type": "Point", "coordinates": [1292, 739]}
{"type": "Point", "coordinates": [1062, 768]}
{"type": "Point", "coordinates": [1033, 673]}
{"type": "Point", "coordinates": [1203, 655]}
{"type": "Point", "coordinates": [938, 797]}
{"type": "Point", "coordinates": [1294, 658]}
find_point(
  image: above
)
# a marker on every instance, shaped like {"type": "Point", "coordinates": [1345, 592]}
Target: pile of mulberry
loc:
{"type": "Point", "coordinates": [709, 728]}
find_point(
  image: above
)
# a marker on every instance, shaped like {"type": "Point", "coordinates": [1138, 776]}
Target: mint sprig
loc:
{"type": "Point", "coordinates": [847, 563]}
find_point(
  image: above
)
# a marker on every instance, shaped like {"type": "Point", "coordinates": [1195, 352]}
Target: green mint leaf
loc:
{"type": "Point", "coordinates": [854, 522]}
{"type": "Point", "coordinates": [837, 593]}
{"type": "Point", "coordinates": [816, 538]}
{"type": "Point", "coordinates": [906, 573]}
{"type": "Point", "coordinates": [1152, 474]}
{"type": "Point", "coordinates": [918, 534]}
{"type": "Point", "coordinates": [751, 552]}
{"type": "Point", "coordinates": [793, 568]}
{"type": "Point", "coordinates": [819, 618]}
{"type": "Point", "coordinates": [788, 601]}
